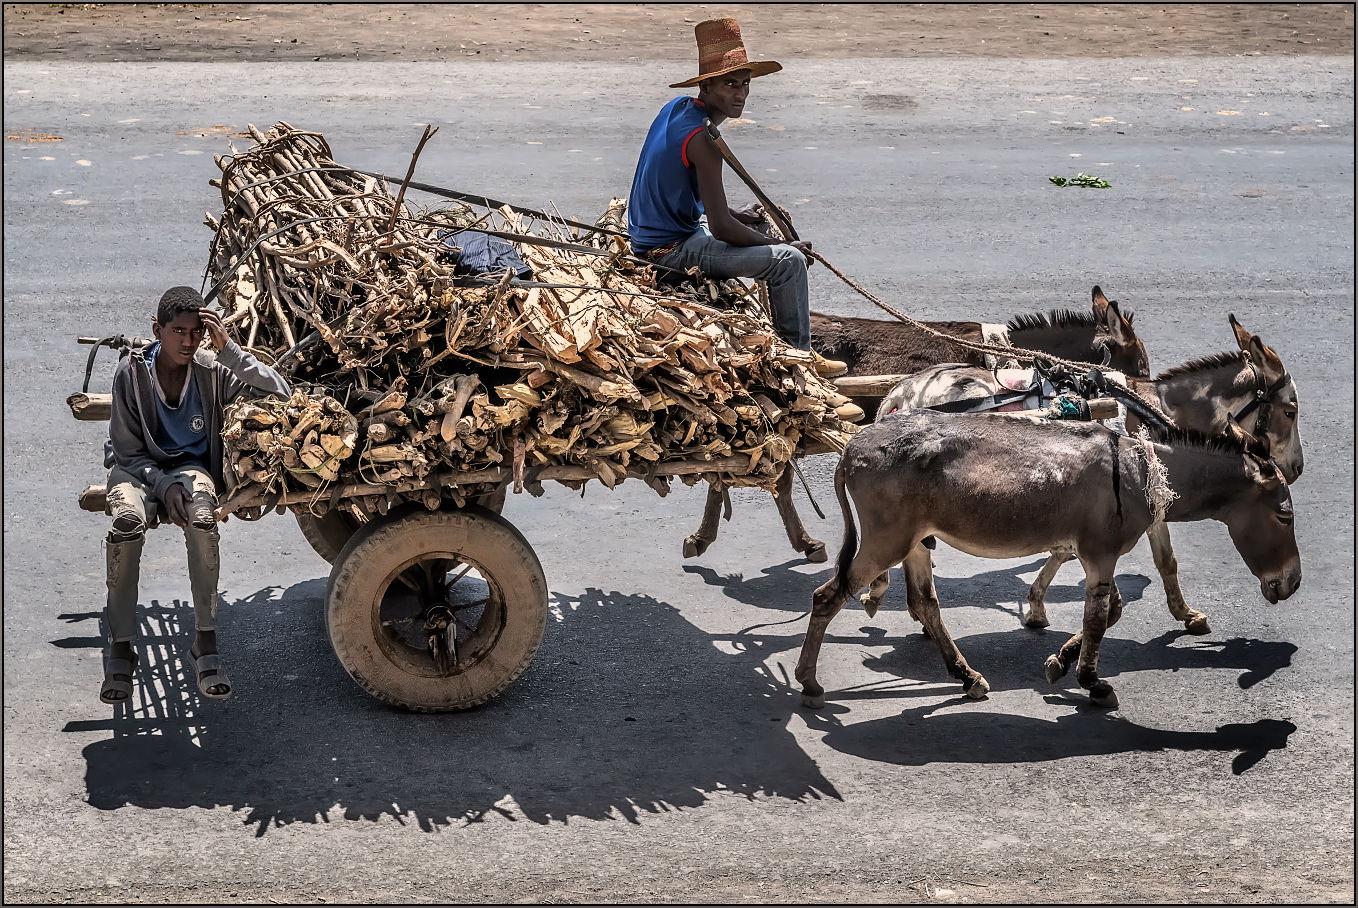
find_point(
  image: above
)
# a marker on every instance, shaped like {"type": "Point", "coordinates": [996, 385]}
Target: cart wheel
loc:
{"type": "Point", "coordinates": [329, 534]}
{"type": "Point", "coordinates": [436, 610]}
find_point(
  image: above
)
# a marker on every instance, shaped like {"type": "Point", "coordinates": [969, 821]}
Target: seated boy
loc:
{"type": "Point", "coordinates": [166, 438]}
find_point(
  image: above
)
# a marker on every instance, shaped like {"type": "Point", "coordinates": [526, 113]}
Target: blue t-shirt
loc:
{"type": "Point", "coordinates": [182, 433]}
{"type": "Point", "coordinates": [664, 206]}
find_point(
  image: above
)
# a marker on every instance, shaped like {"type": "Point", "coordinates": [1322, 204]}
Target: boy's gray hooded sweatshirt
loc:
{"type": "Point", "coordinates": [221, 379]}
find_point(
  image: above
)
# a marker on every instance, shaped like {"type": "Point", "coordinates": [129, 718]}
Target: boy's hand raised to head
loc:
{"type": "Point", "coordinates": [216, 329]}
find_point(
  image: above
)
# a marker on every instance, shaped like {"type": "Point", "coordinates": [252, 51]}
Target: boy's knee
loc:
{"type": "Point", "coordinates": [128, 526]}
{"type": "Point", "coordinates": [203, 516]}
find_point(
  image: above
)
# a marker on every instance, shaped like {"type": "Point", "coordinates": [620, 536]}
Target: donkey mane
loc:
{"type": "Point", "coordinates": [1214, 444]}
{"type": "Point", "coordinates": [1056, 318]}
{"type": "Point", "coordinates": [1205, 364]}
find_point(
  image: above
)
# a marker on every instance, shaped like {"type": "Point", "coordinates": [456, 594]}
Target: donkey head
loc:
{"type": "Point", "coordinates": [1260, 519]}
{"type": "Point", "coordinates": [1125, 351]}
{"type": "Point", "coordinates": [1280, 423]}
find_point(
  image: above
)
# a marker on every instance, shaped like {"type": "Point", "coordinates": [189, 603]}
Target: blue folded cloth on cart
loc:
{"type": "Point", "coordinates": [478, 253]}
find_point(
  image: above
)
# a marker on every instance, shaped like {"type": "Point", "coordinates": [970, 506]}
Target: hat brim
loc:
{"type": "Point", "coordinates": [757, 68]}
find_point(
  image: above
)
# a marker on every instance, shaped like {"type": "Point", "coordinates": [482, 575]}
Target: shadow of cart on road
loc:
{"type": "Point", "coordinates": [627, 709]}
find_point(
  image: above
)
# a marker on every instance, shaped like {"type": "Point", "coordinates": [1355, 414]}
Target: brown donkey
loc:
{"type": "Point", "coordinates": [889, 347]}
{"type": "Point", "coordinates": [1009, 487]}
{"type": "Point", "coordinates": [1252, 386]}
{"type": "Point", "coordinates": [877, 347]}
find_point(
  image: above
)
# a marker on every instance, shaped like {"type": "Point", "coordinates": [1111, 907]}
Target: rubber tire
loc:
{"type": "Point", "coordinates": [328, 534]}
{"type": "Point", "coordinates": [379, 548]}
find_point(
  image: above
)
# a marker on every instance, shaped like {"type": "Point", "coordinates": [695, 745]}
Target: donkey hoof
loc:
{"type": "Point", "coordinates": [813, 701]}
{"type": "Point", "coordinates": [1102, 694]}
{"type": "Point", "coordinates": [1054, 669]}
{"type": "Point", "coordinates": [978, 688]}
{"type": "Point", "coordinates": [870, 605]}
{"type": "Point", "coordinates": [1036, 620]}
{"type": "Point", "coordinates": [1197, 625]}
{"type": "Point", "coordinates": [693, 547]}
{"type": "Point", "coordinates": [816, 554]}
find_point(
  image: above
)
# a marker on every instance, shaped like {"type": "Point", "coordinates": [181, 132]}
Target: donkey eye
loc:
{"type": "Point", "coordinates": [1285, 519]}
{"type": "Point", "coordinates": [1290, 414]}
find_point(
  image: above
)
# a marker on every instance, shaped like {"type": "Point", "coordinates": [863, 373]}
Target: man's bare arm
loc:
{"type": "Point", "coordinates": [725, 224]}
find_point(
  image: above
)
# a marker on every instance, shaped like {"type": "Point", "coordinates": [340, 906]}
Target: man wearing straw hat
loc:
{"type": "Point", "coordinates": [678, 215]}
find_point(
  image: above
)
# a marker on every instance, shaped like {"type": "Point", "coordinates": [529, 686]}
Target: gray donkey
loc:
{"type": "Point", "coordinates": [1013, 486]}
{"type": "Point", "coordinates": [1252, 386]}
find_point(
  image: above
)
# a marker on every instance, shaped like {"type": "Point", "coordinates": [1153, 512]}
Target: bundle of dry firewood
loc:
{"type": "Point", "coordinates": [412, 382]}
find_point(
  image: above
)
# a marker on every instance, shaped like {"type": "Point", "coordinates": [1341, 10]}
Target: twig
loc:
{"type": "Point", "coordinates": [400, 196]}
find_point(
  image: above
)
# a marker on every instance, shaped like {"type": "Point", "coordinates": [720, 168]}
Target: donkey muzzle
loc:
{"type": "Point", "coordinates": [1281, 585]}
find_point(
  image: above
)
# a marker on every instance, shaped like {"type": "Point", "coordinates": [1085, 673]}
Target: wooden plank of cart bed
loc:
{"type": "Point", "coordinates": [867, 385]}
{"type": "Point", "coordinates": [737, 463]}
{"type": "Point", "coordinates": [90, 407]}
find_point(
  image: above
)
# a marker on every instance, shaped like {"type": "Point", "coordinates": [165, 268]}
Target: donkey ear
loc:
{"type": "Point", "coordinates": [1100, 303]}
{"type": "Point", "coordinates": [1113, 323]}
{"type": "Point", "coordinates": [1267, 360]}
{"type": "Point", "coordinates": [1242, 336]}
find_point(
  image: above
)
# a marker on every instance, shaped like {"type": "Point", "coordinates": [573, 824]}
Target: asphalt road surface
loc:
{"type": "Point", "coordinates": [655, 749]}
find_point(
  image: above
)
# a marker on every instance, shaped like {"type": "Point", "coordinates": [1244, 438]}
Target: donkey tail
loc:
{"type": "Point", "coordinates": [850, 547]}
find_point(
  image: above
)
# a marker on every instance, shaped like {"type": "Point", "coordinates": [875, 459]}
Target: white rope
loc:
{"type": "Point", "coordinates": [1159, 496]}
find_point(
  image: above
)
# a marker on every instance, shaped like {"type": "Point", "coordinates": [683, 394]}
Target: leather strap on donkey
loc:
{"type": "Point", "coordinates": [1263, 396]}
{"type": "Point", "coordinates": [1070, 392]}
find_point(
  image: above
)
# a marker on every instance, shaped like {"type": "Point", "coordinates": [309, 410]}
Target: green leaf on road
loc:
{"type": "Point", "coordinates": [1082, 179]}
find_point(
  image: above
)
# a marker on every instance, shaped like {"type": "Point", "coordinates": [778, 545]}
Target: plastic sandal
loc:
{"type": "Point", "coordinates": [210, 663]}
{"type": "Point", "coordinates": [112, 685]}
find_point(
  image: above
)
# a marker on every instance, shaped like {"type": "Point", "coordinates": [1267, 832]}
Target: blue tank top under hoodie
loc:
{"type": "Point", "coordinates": [182, 433]}
{"type": "Point", "coordinates": [664, 206]}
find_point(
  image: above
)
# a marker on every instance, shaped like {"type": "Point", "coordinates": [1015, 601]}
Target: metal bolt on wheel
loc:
{"type": "Point", "coordinates": [436, 610]}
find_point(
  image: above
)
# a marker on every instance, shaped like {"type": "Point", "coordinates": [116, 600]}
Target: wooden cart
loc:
{"type": "Point", "coordinates": [430, 606]}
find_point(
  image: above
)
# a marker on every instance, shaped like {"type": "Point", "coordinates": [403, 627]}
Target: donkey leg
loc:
{"type": "Point", "coordinates": [923, 598]}
{"type": "Point", "coordinates": [1168, 566]}
{"type": "Point", "coordinates": [1114, 604]}
{"type": "Point", "coordinates": [801, 541]}
{"type": "Point", "coordinates": [1037, 593]}
{"type": "Point", "coordinates": [872, 599]}
{"type": "Point", "coordinates": [1099, 590]}
{"type": "Point", "coordinates": [1059, 663]}
{"type": "Point", "coordinates": [696, 544]}
{"type": "Point", "coordinates": [826, 603]}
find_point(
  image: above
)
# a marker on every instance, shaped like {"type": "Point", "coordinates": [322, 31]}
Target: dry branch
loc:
{"type": "Point", "coordinates": [412, 383]}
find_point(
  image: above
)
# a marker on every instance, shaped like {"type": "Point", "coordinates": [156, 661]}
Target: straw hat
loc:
{"type": "Point", "coordinates": [721, 51]}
